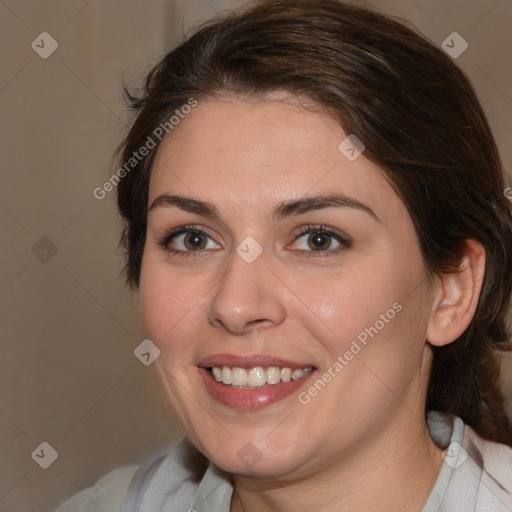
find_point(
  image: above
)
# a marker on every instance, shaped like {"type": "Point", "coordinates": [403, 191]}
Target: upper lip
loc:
{"type": "Point", "coordinates": [249, 361]}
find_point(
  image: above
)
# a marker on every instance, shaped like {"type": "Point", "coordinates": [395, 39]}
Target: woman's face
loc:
{"type": "Point", "coordinates": [267, 280]}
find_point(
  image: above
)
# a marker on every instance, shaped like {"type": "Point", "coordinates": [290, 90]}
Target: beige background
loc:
{"type": "Point", "coordinates": [68, 325]}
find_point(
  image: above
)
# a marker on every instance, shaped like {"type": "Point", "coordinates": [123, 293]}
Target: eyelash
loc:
{"type": "Point", "coordinates": [308, 229]}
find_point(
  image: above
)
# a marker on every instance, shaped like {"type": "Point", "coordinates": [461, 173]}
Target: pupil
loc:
{"type": "Point", "coordinates": [194, 240]}
{"type": "Point", "coordinates": [319, 241]}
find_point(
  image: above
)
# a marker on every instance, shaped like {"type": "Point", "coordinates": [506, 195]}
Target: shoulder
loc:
{"type": "Point", "coordinates": [160, 482]}
{"type": "Point", "coordinates": [476, 474]}
{"type": "Point", "coordinates": [165, 483]}
{"type": "Point", "coordinates": [495, 460]}
{"type": "Point", "coordinates": [106, 495]}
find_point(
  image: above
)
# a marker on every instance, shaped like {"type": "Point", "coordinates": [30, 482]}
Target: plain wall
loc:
{"type": "Point", "coordinates": [68, 324]}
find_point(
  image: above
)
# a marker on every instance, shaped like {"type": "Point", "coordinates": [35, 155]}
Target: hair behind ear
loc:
{"type": "Point", "coordinates": [465, 381]}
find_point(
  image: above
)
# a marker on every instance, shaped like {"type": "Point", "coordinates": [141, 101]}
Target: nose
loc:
{"type": "Point", "coordinates": [248, 298]}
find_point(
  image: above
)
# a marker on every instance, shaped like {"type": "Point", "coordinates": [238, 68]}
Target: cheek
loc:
{"type": "Point", "coordinates": [341, 306]}
{"type": "Point", "coordinates": [169, 302]}
{"type": "Point", "coordinates": [370, 318]}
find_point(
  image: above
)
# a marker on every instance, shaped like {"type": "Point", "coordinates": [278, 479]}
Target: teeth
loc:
{"type": "Point", "coordinates": [273, 375]}
{"type": "Point", "coordinates": [238, 377]}
{"type": "Point", "coordinates": [297, 374]}
{"type": "Point", "coordinates": [226, 375]}
{"type": "Point", "coordinates": [258, 376]}
{"type": "Point", "coordinates": [286, 374]}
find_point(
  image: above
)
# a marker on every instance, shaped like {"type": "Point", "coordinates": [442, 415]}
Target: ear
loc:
{"type": "Point", "coordinates": [456, 297]}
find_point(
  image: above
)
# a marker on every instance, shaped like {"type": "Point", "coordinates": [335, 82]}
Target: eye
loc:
{"type": "Point", "coordinates": [319, 239]}
{"type": "Point", "coordinates": [186, 240]}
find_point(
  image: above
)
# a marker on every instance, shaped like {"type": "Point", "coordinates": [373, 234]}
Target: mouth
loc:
{"type": "Point", "coordinates": [252, 382]}
{"type": "Point", "coordinates": [256, 377]}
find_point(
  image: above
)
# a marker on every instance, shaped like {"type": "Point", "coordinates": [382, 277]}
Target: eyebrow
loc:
{"type": "Point", "coordinates": [281, 211]}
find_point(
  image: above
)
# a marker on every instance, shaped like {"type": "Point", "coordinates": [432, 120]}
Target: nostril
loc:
{"type": "Point", "coordinates": [261, 322]}
{"type": "Point", "coordinates": [257, 321]}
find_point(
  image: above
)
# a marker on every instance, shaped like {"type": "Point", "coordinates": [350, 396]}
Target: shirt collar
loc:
{"type": "Point", "coordinates": [214, 492]}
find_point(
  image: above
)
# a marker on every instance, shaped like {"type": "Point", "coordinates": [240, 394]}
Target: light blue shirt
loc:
{"type": "Point", "coordinates": [476, 476]}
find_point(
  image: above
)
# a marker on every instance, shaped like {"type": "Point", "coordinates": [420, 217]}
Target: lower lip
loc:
{"type": "Point", "coordinates": [250, 399]}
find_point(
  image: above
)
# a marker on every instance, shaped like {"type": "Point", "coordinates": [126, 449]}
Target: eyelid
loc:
{"type": "Point", "coordinates": [344, 241]}
{"type": "Point", "coordinates": [173, 233]}
{"type": "Point", "coordinates": [313, 228]}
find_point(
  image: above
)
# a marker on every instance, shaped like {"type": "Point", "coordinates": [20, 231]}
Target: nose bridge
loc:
{"type": "Point", "coordinates": [247, 296]}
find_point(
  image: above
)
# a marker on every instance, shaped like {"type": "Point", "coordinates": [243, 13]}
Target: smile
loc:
{"type": "Point", "coordinates": [252, 381]}
{"type": "Point", "coordinates": [256, 377]}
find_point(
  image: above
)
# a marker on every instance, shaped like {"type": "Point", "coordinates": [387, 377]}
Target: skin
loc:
{"type": "Point", "coordinates": [361, 443]}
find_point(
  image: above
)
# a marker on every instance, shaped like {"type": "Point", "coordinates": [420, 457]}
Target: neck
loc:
{"type": "Point", "coordinates": [395, 469]}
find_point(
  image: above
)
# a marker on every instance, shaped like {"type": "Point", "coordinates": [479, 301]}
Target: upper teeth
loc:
{"type": "Point", "coordinates": [257, 376]}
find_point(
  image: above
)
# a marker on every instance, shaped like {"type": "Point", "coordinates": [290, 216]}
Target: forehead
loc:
{"type": "Point", "coordinates": [234, 151]}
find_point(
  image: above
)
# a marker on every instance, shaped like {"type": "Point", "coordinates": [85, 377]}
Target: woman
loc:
{"type": "Point", "coordinates": [315, 217]}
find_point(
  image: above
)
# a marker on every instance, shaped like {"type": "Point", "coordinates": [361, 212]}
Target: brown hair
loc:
{"type": "Point", "coordinates": [420, 121]}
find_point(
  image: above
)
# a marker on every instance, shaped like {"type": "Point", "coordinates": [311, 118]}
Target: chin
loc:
{"type": "Point", "coordinates": [262, 462]}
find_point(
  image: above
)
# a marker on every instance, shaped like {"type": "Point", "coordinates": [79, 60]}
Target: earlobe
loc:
{"type": "Point", "coordinates": [457, 297]}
